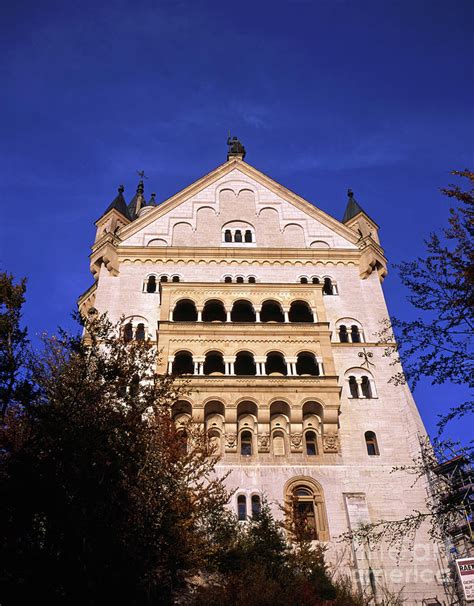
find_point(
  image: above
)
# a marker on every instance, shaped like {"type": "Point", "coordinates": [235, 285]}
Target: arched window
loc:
{"type": "Point", "coordinates": [252, 280]}
{"type": "Point", "coordinates": [256, 506]}
{"type": "Point", "coordinates": [315, 280]}
{"type": "Point", "coordinates": [128, 332]}
{"type": "Point", "coordinates": [182, 363]}
{"type": "Point", "coordinates": [271, 312]}
{"type": "Point", "coordinates": [300, 312]}
{"type": "Point", "coordinates": [185, 311]}
{"type": "Point", "coordinates": [244, 364]}
{"type": "Point", "coordinates": [275, 364]}
{"type": "Point", "coordinates": [240, 280]}
{"type": "Point", "coordinates": [214, 311]}
{"type": "Point", "coordinates": [371, 443]}
{"type": "Point", "coordinates": [227, 235]}
{"type": "Point", "coordinates": [355, 334]}
{"type": "Point", "coordinates": [328, 288]}
{"type": "Point", "coordinates": [353, 387]}
{"type": "Point", "coordinates": [227, 279]}
{"type": "Point", "coordinates": [246, 443]}
{"type": "Point", "coordinates": [238, 236]}
{"type": "Point", "coordinates": [366, 389]}
{"type": "Point", "coordinates": [343, 336]}
{"type": "Point", "coordinates": [175, 279]}
{"type": "Point", "coordinates": [140, 332]}
{"type": "Point", "coordinates": [242, 507]}
{"type": "Point", "coordinates": [163, 278]}
{"type": "Point", "coordinates": [304, 513]}
{"type": "Point", "coordinates": [361, 383]}
{"type": "Point", "coordinates": [304, 280]}
{"type": "Point", "coordinates": [242, 311]}
{"type": "Point", "coordinates": [151, 284]}
{"type": "Point", "coordinates": [248, 235]}
{"type": "Point", "coordinates": [214, 363]}
{"type": "Point", "coordinates": [311, 443]}
{"type": "Point", "coordinates": [306, 364]}
{"type": "Point", "coordinates": [278, 444]}
{"type": "Point", "coordinates": [305, 504]}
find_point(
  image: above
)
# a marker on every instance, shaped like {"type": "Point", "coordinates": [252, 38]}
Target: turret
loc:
{"type": "Point", "coordinates": [106, 239]}
{"type": "Point", "coordinates": [372, 253]}
{"type": "Point", "coordinates": [147, 206]}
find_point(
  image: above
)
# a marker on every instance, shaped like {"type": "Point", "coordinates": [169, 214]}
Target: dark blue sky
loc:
{"type": "Point", "coordinates": [325, 94]}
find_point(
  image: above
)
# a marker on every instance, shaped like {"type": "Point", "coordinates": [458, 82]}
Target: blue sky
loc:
{"type": "Point", "coordinates": [325, 94]}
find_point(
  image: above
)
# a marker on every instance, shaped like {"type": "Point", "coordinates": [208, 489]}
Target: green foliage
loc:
{"type": "Point", "coordinates": [99, 502]}
{"type": "Point", "coordinates": [258, 567]}
{"type": "Point", "coordinates": [14, 383]}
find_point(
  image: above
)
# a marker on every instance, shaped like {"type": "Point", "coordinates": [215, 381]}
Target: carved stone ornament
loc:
{"type": "Point", "coordinates": [231, 440]}
{"type": "Point", "coordinates": [331, 442]}
{"type": "Point", "coordinates": [263, 441]}
{"type": "Point", "coordinates": [296, 440]}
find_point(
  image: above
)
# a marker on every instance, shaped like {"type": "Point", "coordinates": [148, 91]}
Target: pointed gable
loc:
{"type": "Point", "coordinates": [237, 205]}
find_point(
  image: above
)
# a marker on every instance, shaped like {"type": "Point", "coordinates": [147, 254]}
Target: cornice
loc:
{"type": "Point", "coordinates": [239, 256]}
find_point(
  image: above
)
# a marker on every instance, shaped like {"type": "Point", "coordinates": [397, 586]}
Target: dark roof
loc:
{"type": "Point", "coordinates": [353, 208]}
{"type": "Point", "coordinates": [151, 201]}
{"type": "Point", "coordinates": [119, 203]}
{"type": "Point", "coordinates": [132, 207]}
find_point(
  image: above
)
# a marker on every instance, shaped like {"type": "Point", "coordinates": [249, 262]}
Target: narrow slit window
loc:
{"type": "Point", "coordinates": [242, 507]}
{"type": "Point", "coordinates": [256, 506]}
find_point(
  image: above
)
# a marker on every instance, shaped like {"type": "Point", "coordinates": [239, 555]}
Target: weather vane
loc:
{"type": "Point", "coordinates": [366, 355]}
{"type": "Point", "coordinates": [141, 174]}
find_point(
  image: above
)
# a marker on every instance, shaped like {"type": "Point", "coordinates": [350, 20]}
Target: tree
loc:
{"type": "Point", "coordinates": [257, 566]}
{"type": "Point", "coordinates": [14, 385]}
{"type": "Point", "coordinates": [438, 344]}
{"type": "Point", "coordinates": [101, 499]}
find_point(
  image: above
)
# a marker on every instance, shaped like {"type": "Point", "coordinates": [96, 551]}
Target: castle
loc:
{"type": "Point", "coordinates": [271, 308]}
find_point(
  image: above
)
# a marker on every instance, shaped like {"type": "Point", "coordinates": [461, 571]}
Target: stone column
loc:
{"type": "Point", "coordinates": [257, 315]}
{"type": "Point", "coordinates": [170, 365]}
{"type": "Point", "coordinates": [320, 366]}
{"type": "Point", "coordinates": [199, 361]}
{"type": "Point", "coordinates": [286, 313]}
{"type": "Point", "coordinates": [315, 315]}
{"type": "Point", "coordinates": [228, 319]}
{"type": "Point", "coordinates": [229, 365]}
{"type": "Point", "coordinates": [291, 366]}
{"type": "Point", "coordinates": [359, 387]}
{"type": "Point", "coordinates": [199, 312]}
{"type": "Point", "coordinates": [171, 315]}
{"type": "Point", "coordinates": [260, 364]}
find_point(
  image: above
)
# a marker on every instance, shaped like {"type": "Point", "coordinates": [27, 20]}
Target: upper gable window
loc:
{"type": "Point", "coordinates": [238, 232]}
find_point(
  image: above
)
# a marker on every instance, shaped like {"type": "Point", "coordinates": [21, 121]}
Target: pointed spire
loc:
{"type": "Point", "coordinates": [353, 208]}
{"type": "Point", "coordinates": [119, 203]}
{"type": "Point", "coordinates": [138, 199]}
{"type": "Point", "coordinates": [151, 201]}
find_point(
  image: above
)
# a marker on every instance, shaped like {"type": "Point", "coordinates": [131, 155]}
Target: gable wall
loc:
{"type": "Point", "coordinates": [240, 201]}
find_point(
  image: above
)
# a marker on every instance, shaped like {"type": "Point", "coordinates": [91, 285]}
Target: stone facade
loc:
{"type": "Point", "coordinates": [308, 410]}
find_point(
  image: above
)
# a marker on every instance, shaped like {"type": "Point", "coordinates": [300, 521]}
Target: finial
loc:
{"type": "Point", "coordinates": [121, 189]}
{"type": "Point", "coordinates": [141, 187]}
{"type": "Point", "coordinates": [152, 199]}
{"type": "Point", "coordinates": [350, 193]}
{"type": "Point", "coordinates": [235, 149]}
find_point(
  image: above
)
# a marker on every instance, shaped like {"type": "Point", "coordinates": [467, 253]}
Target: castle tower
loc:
{"type": "Point", "coordinates": [270, 307]}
